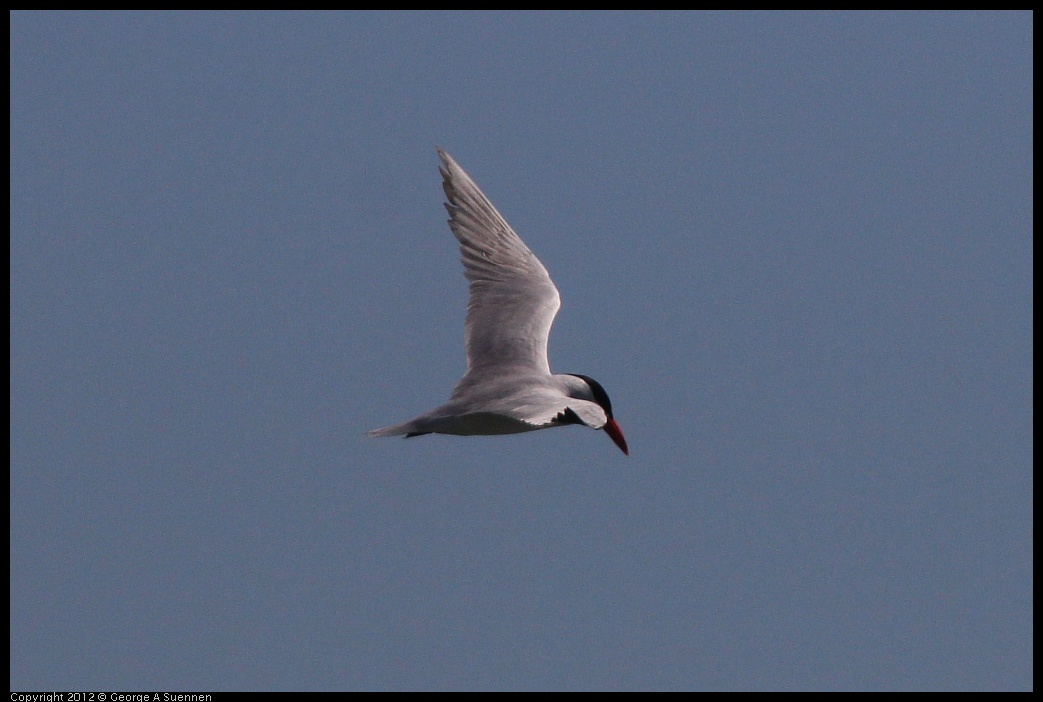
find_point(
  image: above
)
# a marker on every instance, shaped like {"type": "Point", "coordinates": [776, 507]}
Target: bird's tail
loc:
{"type": "Point", "coordinates": [407, 428]}
{"type": "Point", "coordinates": [396, 430]}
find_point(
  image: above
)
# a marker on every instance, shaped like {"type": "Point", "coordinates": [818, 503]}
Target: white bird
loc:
{"type": "Point", "coordinates": [508, 387]}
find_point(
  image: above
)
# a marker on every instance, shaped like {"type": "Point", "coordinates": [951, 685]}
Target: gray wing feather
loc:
{"type": "Point", "coordinates": [512, 299]}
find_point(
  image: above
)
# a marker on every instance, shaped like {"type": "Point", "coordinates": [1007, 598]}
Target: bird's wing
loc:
{"type": "Point", "coordinates": [513, 301]}
{"type": "Point", "coordinates": [563, 411]}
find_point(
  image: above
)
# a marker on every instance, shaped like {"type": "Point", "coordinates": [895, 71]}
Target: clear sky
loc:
{"type": "Point", "coordinates": [796, 250]}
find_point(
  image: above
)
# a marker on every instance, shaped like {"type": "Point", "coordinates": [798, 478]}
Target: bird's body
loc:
{"type": "Point", "coordinates": [508, 387]}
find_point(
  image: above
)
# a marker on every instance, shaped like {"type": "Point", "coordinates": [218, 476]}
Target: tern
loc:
{"type": "Point", "coordinates": [508, 387]}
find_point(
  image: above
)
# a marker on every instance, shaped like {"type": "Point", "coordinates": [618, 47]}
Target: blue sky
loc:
{"type": "Point", "coordinates": [796, 250]}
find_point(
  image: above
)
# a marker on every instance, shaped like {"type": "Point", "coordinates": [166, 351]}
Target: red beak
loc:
{"type": "Point", "coordinates": [613, 430]}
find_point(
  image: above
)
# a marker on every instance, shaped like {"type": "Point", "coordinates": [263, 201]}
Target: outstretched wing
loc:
{"type": "Point", "coordinates": [513, 301]}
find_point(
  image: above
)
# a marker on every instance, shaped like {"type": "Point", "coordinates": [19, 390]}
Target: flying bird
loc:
{"type": "Point", "coordinates": [508, 387]}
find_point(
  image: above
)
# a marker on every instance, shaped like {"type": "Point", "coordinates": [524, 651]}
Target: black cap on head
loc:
{"type": "Point", "coordinates": [600, 396]}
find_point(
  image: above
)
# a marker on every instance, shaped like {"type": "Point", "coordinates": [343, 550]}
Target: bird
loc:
{"type": "Point", "coordinates": [508, 387]}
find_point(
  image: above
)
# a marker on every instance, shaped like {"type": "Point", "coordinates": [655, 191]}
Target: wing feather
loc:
{"type": "Point", "coordinates": [512, 298]}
